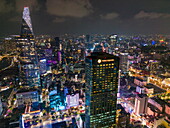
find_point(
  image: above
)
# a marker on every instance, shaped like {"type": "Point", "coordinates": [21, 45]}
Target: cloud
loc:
{"type": "Point", "coordinates": [59, 20]}
{"type": "Point", "coordinates": [15, 19]}
{"type": "Point", "coordinates": [17, 5]}
{"type": "Point", "coordinates": [69, 8]}
{"type": "Point", "coordinates": [20, 4]}
{"type": "Point", "coordinates": [5, 7]}
{"type": "Point", "coordinates": [109, 16]}
{"type": "Point", "coordinates": [151, 15]}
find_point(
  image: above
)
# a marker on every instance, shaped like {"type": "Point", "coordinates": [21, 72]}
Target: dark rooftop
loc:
{"type": "Point", "coordinates": [26, 90]}
{"type": "Point", "coordinates": [158, 100]}
{"type": "Point", "coordinates": [141, 95]}
{"type": "Point", "coordinates": [156, 88]}
{"type": "Point", "coordinates": [102, 55]}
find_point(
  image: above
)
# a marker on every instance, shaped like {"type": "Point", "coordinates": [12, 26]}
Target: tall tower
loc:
{"type": "Point", "coordinates": [29, 70]}
{"type": "Point", "coordinates": [124, 64]}
{"type": "Point", "coordinates": [26, 28]}
{"type": "Point", "coordinates": [141, 103]}
{"type": "Point", "coordinates": [101, 90]}
{"type": "Point", "coordinates": [113, 39]}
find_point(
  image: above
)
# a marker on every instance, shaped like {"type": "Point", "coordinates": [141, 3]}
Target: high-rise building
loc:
{"type": "Point", "coordinates": [141, 102]}
{"type": "Point", "coordinates": [88, 38]}
{"type": "Point", "coordinates": [113, 40]}
{"type": "Point", "coordinates": [101, 90]}
{"type": "Point", "coordinates": [29, 70]}
{"type": "Point", "coordinates": [124, 64]}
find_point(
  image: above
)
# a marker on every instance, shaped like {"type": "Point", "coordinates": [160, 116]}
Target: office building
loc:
{"type": "Point", "coordinates": [28, 68]}
{"type": "Point", "coordinates": [24, 97]}
{"type": "Point", "coordinates": [101, 90]}
{"type": "Point", "coordinates": [113, 40]}
{"type": "Point", "coordinates": [72, 100]}
{"type": "Point", "coordinates": [141, 103]}
{"type": "Point", "coordinates": [43, 66]}
{"type": "Point", "coordinates": [124, 63]}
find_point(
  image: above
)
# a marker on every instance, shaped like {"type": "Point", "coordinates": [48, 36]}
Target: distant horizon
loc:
{"type": "Point", "coordinates": [81, 34]}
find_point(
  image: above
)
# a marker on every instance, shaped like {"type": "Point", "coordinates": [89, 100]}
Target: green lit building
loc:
{"type": "Point", "coordinates": [101, 90]}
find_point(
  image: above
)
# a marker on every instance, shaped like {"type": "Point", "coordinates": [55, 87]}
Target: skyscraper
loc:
{"type": "Point", "coordinates": [29, 70]}
{"type": "Point", "coordinates": [113, 40]}
{"type": "Point", "coordinates": [101, 90]}
{"type": "Point", "coordinates": [124, 63]}
{"type": "Point", "coordinates": [141, 103]}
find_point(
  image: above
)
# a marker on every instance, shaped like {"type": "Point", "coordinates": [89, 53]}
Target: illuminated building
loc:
{"type": "Point", "coordinates": [59, 57]}
{"type": "Point", "coordinates": [43, 66]}
{"type": "Point", "coordinates": [140, 90]}
{"type": "Point", "coordinates": [141, 102]}
{"type": "Point", "coordinates": [124, 63]}
{"type": "Point", "coordinates": [153, 65]}
{"type": "Point", "coordinates": [24, 96]}
{"type": "Point", "coordinates": [72, 100]}
{"type": "Point", "coordinates": [167, 109]}
{"type": "Point", "coordinates": [140, 81]}
{"type": "Point", "coordinates": [8, 45]}
{"type": "Point", "coordinates": [48, 55]}
{"type": "Point", "coordinates": [101, 90]}
{"type": "Point", "coordinates": [157, 103]}
{"type": "Point", "coordinates": [113, 40]}
{"type": "Point", "coordinates": [29, 70]}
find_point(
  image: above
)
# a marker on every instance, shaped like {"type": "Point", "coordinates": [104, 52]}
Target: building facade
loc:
{"type": "Point", "coordinates": [141, 103]}
{"type": "Point", "coordinates": [26, 97]}
{"type": "Point", "coordinates": [28, 68]}
{"type": "Point", "coordinates": [124, 63]}
{"type": "Point", "coordinates": [101, 90]}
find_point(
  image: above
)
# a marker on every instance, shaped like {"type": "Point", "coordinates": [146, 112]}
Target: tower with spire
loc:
{"type": "Point", "coordinates": [26, 28]}
{"type": "Point", "coordinates": [29, 75]}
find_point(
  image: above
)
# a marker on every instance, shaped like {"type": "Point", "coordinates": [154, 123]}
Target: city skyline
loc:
{"type": "Point", "coordinates": [87, 16]}
{"type": "Point", "coordinates": [94, 80]}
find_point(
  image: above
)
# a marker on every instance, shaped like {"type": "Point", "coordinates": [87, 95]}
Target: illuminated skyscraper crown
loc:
{"type": "Point", "coordinates": [26, 28]}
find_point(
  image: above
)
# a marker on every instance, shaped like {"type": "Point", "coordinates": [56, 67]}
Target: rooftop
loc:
{"type": "Point", "coordinates": [158, 100]}
{"type": "Point", "coordinates": [141, 95]}
{"type": "Point", "coordinates": [27, 90]}
{"type": "Point", "coordinates": [102, 55]}
{"type": "Point", "coordinates": [156, 88]}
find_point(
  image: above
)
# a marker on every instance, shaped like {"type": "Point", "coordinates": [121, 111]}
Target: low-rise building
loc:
{"type": "Point", "coordinates": [140, 90]}
{"type": "Point", "coordinates": [139, 81]}
{"type": "Point", "coordinates": [72, 100]}
{"type": "Point", "coordinates": [25, 96]}
{"type": "Point", "coordinates": [167, 109]}
{"type": "Point", "coordinates": [158, 103]}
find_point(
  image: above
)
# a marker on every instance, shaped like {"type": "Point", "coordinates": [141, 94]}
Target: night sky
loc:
{"type": "Point", "coordinates": [56, 17]}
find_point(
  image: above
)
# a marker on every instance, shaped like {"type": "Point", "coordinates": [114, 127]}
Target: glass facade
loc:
{"type": "Point", "coordinates": [29, 69]}
{"type": "Point", "coordinates": [101, 90]}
